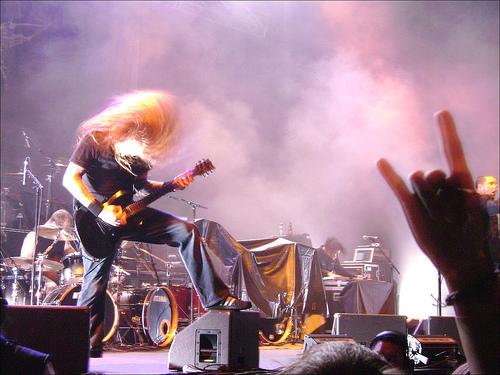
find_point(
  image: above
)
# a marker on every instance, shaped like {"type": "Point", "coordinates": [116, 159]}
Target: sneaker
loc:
{"type": "Point", "coordinates": [95, 352]}
{"type": "Point", "coordinates": [231, 303]}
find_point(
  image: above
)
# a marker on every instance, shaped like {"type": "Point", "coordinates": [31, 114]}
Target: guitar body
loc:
{"type": "Point", "coordinates": [98, 239]}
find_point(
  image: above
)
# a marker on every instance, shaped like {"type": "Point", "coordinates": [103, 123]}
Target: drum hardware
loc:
{"type": "Point", "coordinates": [67, 295]}
{"type": "Point", "coordinates": [288, 325]}
{"type": "Point", "coordinates": [39, 269]}
{"type": "Point", "coordinates": [55, 233]}
{"type": "Point", "coordinates": [55, 166]}
{"type": "Point", "coordinates": [118, 276]}
{"type": "Point", "coordinates": [26, 264]}
{"type": "Point", "coordinates": [72, 272]}
{"type": "Point", "coordinates": [38, 206]}
{"type": "Point", "coordinates": [169, 266]}
{"type": "Point", "coordinates": [147, 316]}
{"type": "Point", "coordinates": [14, 287]}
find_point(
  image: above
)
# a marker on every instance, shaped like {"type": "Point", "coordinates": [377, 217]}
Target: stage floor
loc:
{"type": "Point", "coordinates": [137, 361]}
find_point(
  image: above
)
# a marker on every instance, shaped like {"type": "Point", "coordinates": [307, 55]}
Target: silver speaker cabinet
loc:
{"type": "Point", "coordinates": [219, 340]}
{"type": "Point", "coordinates": [364, 327]}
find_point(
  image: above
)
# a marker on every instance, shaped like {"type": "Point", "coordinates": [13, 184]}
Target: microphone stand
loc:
{"type": "Point", "coordinates": [193, 205]}
{"type": "Point", "coordinates": [38, 211]}
{"type": "Point", "coordinates": [440, 297]}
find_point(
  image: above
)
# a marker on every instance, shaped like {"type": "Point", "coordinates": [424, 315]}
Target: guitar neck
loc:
{"type": "Point", "coordinates": [139, 205]}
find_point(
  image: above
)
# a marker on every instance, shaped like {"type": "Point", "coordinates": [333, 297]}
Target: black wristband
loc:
{"type": "Point", "coordinates": [95, 207]}
{"type": "Point", "coordinates": [475, 288]}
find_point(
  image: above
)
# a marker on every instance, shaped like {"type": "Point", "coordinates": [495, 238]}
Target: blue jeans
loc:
{"type": "Point", "coordinates": [157, 227]}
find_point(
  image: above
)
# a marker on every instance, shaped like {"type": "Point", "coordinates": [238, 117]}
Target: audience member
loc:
{"type": "Point", "coordinates": [341, 357]}
{"type": "Point", "coordinates": [450, 225]}
{"type": "Point", "coordinates": [487, 187]}
{"type": "Point", "coordinates": [18, 359]}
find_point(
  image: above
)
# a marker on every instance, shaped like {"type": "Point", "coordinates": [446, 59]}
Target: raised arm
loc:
{"type": "Point", "coordinates": [446, 219]}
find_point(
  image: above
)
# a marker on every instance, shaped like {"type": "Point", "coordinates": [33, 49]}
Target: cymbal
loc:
{"type": "Point", "coordinates": [25, 264]}
{"type": "Point", "coordinates": [14, 173]}
{"type": "Point", "coordinates": [51, 232]}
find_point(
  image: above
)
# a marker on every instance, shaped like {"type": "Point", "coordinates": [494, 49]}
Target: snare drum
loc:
{"type": "Point", "coordinates": [155, 309]}
{"type": "Point", "coordinates": [68, 296]}
{"type": "Point", "coordinates": [73, 268]}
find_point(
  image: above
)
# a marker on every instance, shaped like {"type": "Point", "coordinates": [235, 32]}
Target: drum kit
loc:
{"type": "Point", "coordinates": [140, 310]}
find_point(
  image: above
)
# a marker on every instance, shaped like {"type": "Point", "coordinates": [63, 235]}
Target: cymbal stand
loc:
{"type": "Point", "coordinates": [38, 210]}
{"type": "Point", "coordinates": [295, 316]}
{"type": "Point", "coordinates": [48, 198]}
{"type": "Point", "coordinates": [39, 267]}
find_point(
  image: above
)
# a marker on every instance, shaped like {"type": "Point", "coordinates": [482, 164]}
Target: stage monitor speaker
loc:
{"type": "Point", "coordinates": [364, 327]}
{"type": "Point", "coordinates": [61, 331]}
{"type": "Point", "coordinates": [443, 325]}
{"type": "Point", "coordinates": [218, 340]}
{"type": "Point", "coordinates": [311, 340]}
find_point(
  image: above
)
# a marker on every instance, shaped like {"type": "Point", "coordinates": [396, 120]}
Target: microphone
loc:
{"type": "Point", "coordinates": [27, 141]}
{"type": "Point", "coordinates": [25, 168]}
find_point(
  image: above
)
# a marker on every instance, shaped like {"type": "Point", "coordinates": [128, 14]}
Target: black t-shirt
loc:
{"type": "Point", "coordinates": [103, 175]}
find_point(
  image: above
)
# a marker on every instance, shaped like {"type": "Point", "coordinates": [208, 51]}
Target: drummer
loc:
{"type": "Point", "coordinates": [55, 239]}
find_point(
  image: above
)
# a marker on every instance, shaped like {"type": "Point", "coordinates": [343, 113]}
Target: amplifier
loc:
{"type": "Point", "coordinates": [364, 327]}
{"type": "Point", "coordinates": [436, 350]}
{"type": "Point", "coordinates": [370, 270]}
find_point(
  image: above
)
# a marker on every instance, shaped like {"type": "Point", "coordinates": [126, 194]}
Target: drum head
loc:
{"type": "Point", "coordinates": [160, 316]}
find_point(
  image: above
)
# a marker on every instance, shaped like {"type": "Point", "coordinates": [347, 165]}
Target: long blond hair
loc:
{"type": "Point", "coordinates": [148, 116]}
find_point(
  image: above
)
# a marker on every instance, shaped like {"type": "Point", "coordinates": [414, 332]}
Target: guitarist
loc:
{"type": "Point", "coordinates": [115, 151]}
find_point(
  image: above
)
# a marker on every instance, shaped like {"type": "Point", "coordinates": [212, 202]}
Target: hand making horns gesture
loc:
{"type": "Point", "coordinates": [444, 212]}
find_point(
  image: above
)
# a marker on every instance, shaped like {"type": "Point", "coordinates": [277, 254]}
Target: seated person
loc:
{"type": "Point", "coordinates": [55, 238]}
{"type": "Point", "coordinates": [329, 255]}
{"type": "Point", "coordinates": [337, 357]}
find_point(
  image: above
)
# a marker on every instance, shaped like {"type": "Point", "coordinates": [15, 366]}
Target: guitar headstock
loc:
{"type": "Point", "coordinates": [203, 168]}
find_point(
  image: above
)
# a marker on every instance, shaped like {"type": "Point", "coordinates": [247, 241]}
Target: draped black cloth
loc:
{"type": "Point", "coordinates": [267, 270]}
{"type": "Point", "coordinates": [368, 297]}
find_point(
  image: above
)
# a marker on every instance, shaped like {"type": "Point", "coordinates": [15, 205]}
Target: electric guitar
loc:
{"type": "Point", "coordinates": [99, 238]}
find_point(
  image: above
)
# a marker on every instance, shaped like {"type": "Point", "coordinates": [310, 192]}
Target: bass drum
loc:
{"type": "Point", "coordinates": [68, 296]}
{"type": "Point", "coordinates": [159, 316]}
{"type": "Point", "coordinates": [183, 296]}
{"type": "Point", "coordinates": [155, 309]}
